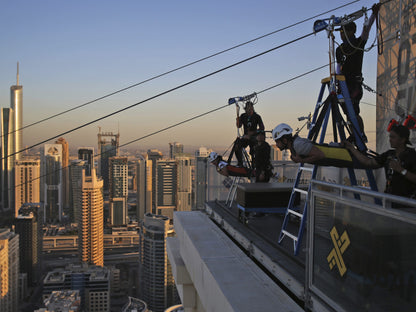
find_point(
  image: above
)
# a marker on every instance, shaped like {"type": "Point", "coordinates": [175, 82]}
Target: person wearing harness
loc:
{"type": "Point", "coordinates": [349, 57]}
{"type": "Point", "coordinates": [225, 169]}
{"type": "Point", "coordinates": [301, 150]}
{"type": "Point", "coordinates": [399, 163]}
{"type": "Point", "coordinates": [251, 122]}
{"type": "Point", "coordinates": [305, 151]}
{"type": "Point", "coordinates": [262, 165]}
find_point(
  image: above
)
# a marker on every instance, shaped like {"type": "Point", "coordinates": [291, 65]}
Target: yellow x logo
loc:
{"type": "Point", "coordinates": [340, 245]}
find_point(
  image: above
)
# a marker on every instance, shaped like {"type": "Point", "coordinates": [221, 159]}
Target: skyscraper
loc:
{"type": "Point", "coordinates": [154, 155]}
{"type": "Point", "coordinates": [16, 104]}
{"type": "Point", "coordinates": [175, 149]}
{"type": "Point", "coordinates": [27, 180]}
{"type": "Point", "coordinates": [118, 190]}
{"type": "Point", "coordinates": [144, 187]}
{"type": "Point", "coordinates": [184, 202]}
{"type": "Point", "coordinates": [108, 146]}
{"type": "Point", "coordinates": [9, 273]}
{"type": "Point", "coordinates": [51, 182]}
{"type": "Point", "coordinates": [166, 187]}
{"type": "Point", "coordinates": [11, 143]}
{"type": "Point", "coordinates": [75, 172]}
{"type": "Point", "coordinates": [7, 157]}
{"type": "Point", "coordinates": [91, 221]}
{"type": "Point", "coordinates": [201, 178]}
{"type": "Point", "coordinates": [158, 288]}
{"type": "Point", "coordinates": [65, 172]}
{"type": "Point", "coordinates": [87, 154]}
{"type": "Point", "coordinates": [28, 224]}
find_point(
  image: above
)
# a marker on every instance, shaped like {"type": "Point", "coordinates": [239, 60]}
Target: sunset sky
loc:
{"type": "Point", "coordinates": [73, 52]}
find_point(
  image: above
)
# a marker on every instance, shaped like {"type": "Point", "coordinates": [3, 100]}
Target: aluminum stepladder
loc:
{"type": "Point", "coordinates": [319, 124]}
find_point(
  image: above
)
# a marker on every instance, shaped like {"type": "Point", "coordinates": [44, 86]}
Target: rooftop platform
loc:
{"type": "Point", "coordinates": [357, 254]}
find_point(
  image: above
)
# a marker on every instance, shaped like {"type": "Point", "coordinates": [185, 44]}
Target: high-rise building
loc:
{"type": "Point", "coordinates": [27, 180]}
{"type": "Point", "coordinates": [87, 154]}
{"type": "Point", "coordinates": [154, 155]}
{"type": "Point", "coordinates": [166, 187]}
{"type": "Point", "coordinates": [201, 178]}
{"type": "Point", "coordinates": [11, 143]}
{"type": "Point", "coordinates": [28, 224]}
{"type": "Point", "coordinates": [144, 187]}
{"type": "Point", "coordinates": [7, 158]}
{"type": "Point", "coordinates": [118, 190]}
{"type": "Point", "coordinates": [16, 104]}
{"type": "Point", "coordinates": [51, 181]}
{"type": "Point", "coordinates": [92, 282]}
{"type": "Point", "coordinates": [158, 288]}
{"type": "Point", "coordinates": [175, 149]}
{"type": "Point", "coordinates": [65, 172]}
{"type": "Point", "coordinates": [184, 202]}
{"type": "Point", "coordinates": [91, 221]}
{"type": "Point", "coordinates": [108, 146]}
{"type": "Point", "coordinates": [9, 271]}
{"type": "Point", "coordinates": [4, 272]}
{"type": "Point", "coordinates": [75, 172]}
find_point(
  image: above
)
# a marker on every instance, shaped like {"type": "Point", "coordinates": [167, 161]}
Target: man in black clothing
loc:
{"type": "Point", "coordinates": [251, 122]}
{"type": "Point", "coordinates": [399, 163]}
{"type": "Point", "coordinates": [349, 57]}
{"type": "Point", "coordinates": [262, 164]}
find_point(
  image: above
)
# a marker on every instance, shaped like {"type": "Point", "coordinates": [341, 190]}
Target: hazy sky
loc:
{"type": "Point", "coordinates": [72, 52]}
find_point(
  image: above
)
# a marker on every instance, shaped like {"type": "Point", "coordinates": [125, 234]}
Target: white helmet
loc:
{"type": "Point", "coordinates": [212, 156]}
{"type": "Point", "coordinates": [281, 130]}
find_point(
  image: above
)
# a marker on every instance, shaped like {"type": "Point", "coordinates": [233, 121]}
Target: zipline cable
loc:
{"type": "Point", "coordinates": [180, 123]}
{"type": "Point", "coordinates": [178, 68]}
{"type": "Point", "coordinates": [162, 93]}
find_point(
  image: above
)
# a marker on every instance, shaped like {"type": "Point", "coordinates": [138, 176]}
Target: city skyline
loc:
{"type": "Point", "coordinates": [64, 63]}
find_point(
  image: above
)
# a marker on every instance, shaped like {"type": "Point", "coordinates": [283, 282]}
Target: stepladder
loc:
{"type": "Point", "coordinates": [236, 180]}
{"type": "Point", "coordinates": [325, 111]}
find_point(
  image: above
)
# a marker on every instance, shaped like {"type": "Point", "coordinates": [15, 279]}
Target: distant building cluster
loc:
{"type": "Point", "coordinates": [93, 190]}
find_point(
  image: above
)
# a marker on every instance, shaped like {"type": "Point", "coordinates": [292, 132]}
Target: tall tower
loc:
{"type": "Point", "coordinates": [27, 190]}
{"type": "Point", "coordinates": [166, 187]}
{"type": "Point", "coordinates": [154, 155]}
{"type": "Point", "coordinates": [91, 221]}
{"type": "Point", "coordinates": [28, 224]}
{"type": "Point", "coordinates": [87, 154]}
{"type": "Point", "coordinates": [7, 157]}
{"type": "Point", "coordinates": [144, 187]}
{"type": "Point", "coordinates": [65, 172]}
{"type": "Point", "coordinates": [118, 190]}
{"type": "Point", "coordinates": [16, 104]}
{"type": "Point", "coordinates": [201, 177]}
{"type": "Point", "coordinates": [9, 273]}
{"type": "Point", "coordinates": [175, 149]}
{"type": "Point", "coordinates": [77, 166]}
{"type": "Point", "coordinates": [184, 202]}
{"type": "Point", "coordinates": [108, 146]}
{"type": "Point", "coordinates": [157, 284]}
{"type": "Point", "coordinates": [51, 184]}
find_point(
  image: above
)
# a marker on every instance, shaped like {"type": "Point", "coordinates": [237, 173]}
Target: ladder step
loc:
{"type": "Point", "coordinates": [300, 191]}
{"type": "Point", "coordinates": [310, 169]}
{"type": "Point", "coordinates": [289, 235]}
{"type": "Point", "coordinates": [298, 214]}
